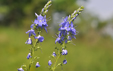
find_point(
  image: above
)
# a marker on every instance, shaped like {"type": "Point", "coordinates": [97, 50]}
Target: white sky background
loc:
{"type": "Point", "coordinates": [101, 8]}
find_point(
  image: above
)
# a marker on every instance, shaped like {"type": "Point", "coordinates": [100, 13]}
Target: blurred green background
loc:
{"type": "Point", "coordinates": [93, 49]}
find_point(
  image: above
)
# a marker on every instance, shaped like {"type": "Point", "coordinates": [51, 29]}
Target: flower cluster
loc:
{"type": "Point", "coordinates": [66, 32]}
{"type": "Point", "coordinates": [39, 22]}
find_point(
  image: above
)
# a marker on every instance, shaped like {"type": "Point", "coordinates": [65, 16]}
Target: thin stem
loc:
{"type": "Point", "coordinates": [56, 61]}
{"type": "Point", "coordinates": [59, 54]}
{"type": "Point", "coordinates": [32, 53]}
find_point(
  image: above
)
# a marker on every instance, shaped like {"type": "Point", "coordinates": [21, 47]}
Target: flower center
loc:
{"type": "Point", "coordinates": [40, 21]}
{"type": "Point", "coordinates": [65, 27]}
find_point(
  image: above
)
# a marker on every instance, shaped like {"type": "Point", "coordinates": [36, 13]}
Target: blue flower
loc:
{"type": "Point", "coordinates": [54, 54]}
{"type": "Point", "coordinates": [49, 62]}
{"type": "Point", "coordinates": [65, 27]}
{"type": "Point", "coordinates": [29, 55]}
{"type": "Point", "coordinates": [40, 38]}
{"type": "Point", "coordinates": [69, 38]}
{"type": "Point", "coordinates": [40, 21]}
{"type": "Point", "coordinates": [72, 29]}
{"type": "Point", "coordinates": [64, 22]}
{"type": "Point", "coordinates": [58, 40]}
{"type": "Point", "coordinates": [31, 32]}
{"type": "Point", "coordinates": [37, 64]}
{"type": "Point", "coordinates": [20, 69]}
{"type": "Point", "coordinates": [65, 61]}
{"type": "Point", "coordinates": [40, 18]}
{"type": "Point", "coordinates": [66, 41]}
{"type": "Point", "coordinates": [63, 32]}
{"type": "Point", "coordinates": [62, 38]}
{"type": "Point", "coordinates": [32, 26]}
{"type": "Point", "coordinates": [45, 24]}
{"type": "Point", "coordinates": [29, 41]}
{"type": "Point", "coordinates": [64, 52]}
{"type": "Point", "coordinates": [36, 21]}
{"type": "Point", "coordinates": [73, 36]}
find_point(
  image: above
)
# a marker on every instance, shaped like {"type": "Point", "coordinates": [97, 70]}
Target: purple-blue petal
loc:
{"type": "Point", "coordinates": [45, 29]}
{"type": "Point", "coordinates": [31, 32]}
{"type": "Point", "coordinates": [29, 41]}
{"type": "Point", "coordinates": [29, 55]}
{"type": "Point", "coordinates": [57, 40]}
{"type": "Point", "coordinates": [32, 26]}
{"type": "Point", "coordinates": [60, 34]}
{"type": "Point", "coordinates": [66, 41]}
{"type": "Point", "coordinates": [41, 39]}
{"type": "Point", "coordinates": [49, 62]}
{"type": "Point", "coordinates": [54, 54]}
{"type": "Point", "coordinates": [36, 21]}
{"type": "Point", "coordinates": [62, 38]}
{"type": "Point", "coordinates": [40, 17]}
{"type": "Point", "coordinates": [28, 31]}
{"type": "Point", "coordinates": [20, 69]}
{"type": "Point", "coordinates": [64, 22]}
{"type": "Point", "coordinates": [64, 52]}
{"type": "Point", "coordinates": [69, 37]}
{"type": "Point", "coordinates": [73, 36]}
{"type": "Point", "coordinates": [37, 64]}
{"type": "Point", "coordinates": [71, 24]}
{"type": "Point", "coordinates": [65, 61]}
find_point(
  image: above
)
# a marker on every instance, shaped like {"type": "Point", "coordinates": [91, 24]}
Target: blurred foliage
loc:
{"type": "Point", "coordinates": [20, 13]}
{"type": "Point", "coordinates": [16, 11]}
{"type": "Point", "coordinates": [65, 5]}
{"type": "Point", "coordinates": [91, 52]}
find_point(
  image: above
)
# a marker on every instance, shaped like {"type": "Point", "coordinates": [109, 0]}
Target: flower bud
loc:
{"type": "Point", "coordinates": [64, 52]}
{"type": "Point", "coordinates": [29, 41]}
{"type": "Point", "coordinates": [54, 54]}
{"type": "Point", "coordinates": [20, 69]}
{"type": "Point", "coordinates": [29, 55]}
{"type": "Point", "coordinates": [49, 62]}
{"type": "Point", "coordinates": [65, 61]}
{"type": "Point", "coordinates": [37, 64]}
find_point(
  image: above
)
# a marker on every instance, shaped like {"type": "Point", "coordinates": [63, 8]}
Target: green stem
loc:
{"type": "Point", "coordinates": [56, 61]}
{"type": "Point", "coordinates": [58, 56]}
{"type": "Point", "coordinates": [32, 53]}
